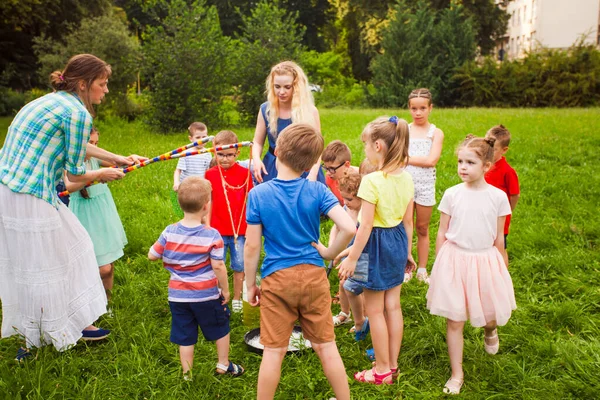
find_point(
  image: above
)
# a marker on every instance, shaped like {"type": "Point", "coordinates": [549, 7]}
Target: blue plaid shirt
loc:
{"type": "Point", "coordinates": [47, 137]}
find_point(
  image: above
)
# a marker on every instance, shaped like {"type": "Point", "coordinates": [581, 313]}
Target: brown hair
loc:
{"type": "Point", "coordinates": [351, 182]}
{"type": "Point", "coordinates": [483, 147]}
{"type": "Point", "coordinates": [393, 132]}
{"type": "Point", "coordinates": [225, 137]}
{"type": "Point", "coordinates": [501, 134]}
{"type": "Point", "coordinates": [197, 126]}
{"type": "Point", "coordinates": [193, 194]}
{"type": "Point", "coordinates": [299, 147]}
{"type": "Point", "coordinates": [366, 167]}
{"type": "Point", "coordinates": [82, 67]}
{"type": "Point", "coordinates": [421, 92]}
{"type": "Point", "coordinates": [336, 150]}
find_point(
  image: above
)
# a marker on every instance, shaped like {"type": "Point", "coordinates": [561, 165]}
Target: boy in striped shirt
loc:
{"type": "Point", "coordinates": [198, 287]}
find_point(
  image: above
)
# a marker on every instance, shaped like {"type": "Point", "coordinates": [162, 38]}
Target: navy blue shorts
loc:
{"type": "Point", "coordinates": [211, 316]}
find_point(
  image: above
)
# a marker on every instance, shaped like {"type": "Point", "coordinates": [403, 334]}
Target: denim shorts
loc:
{"type": "Point", "coordinates": [361, 272]}
{"type": "Point", "coordinates": [236, 251]}
{"type": "Point", "coordinates": [211, 316]}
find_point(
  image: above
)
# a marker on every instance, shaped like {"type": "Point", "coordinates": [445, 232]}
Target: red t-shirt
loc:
{"type": "Point", "coordinates": [238, 177]}
{"type": "Point", "coordinates": [504, 177]}
{"type": "Point", "coordinates": [335, 188]}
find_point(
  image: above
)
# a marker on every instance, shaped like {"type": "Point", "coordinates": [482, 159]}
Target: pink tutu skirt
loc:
{"type": "Point", "coordinates": [471, 285]}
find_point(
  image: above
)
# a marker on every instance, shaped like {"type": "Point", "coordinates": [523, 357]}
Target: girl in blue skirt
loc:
{"type": "Point", "coordinates": [387, 198]}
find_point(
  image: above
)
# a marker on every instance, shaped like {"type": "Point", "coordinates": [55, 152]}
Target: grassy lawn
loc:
{"type": "Point", "coordinates": [550, 348]}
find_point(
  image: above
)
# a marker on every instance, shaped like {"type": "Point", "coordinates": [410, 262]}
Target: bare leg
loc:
{"type": "Point", "coordinates": [395, 323]}
{"type": "Point", "coordinates": [489, 333]}
{"type": "Point", "coordinates": [358, 309]}
{"type": "Point", "coordinates": [107, 275]}
{"type": "Point", "coordinates": [333, 366]}
{"type": "Point", "coordinates": [186, 355]}
{"type": "Point", "coordinates": [223, 350]}
{"type": "Point", "coordinates": [454, 337]}
{"type": "Point", "coordinates": [238, 280]}
{"type": "Point", "coordinates": [422, 228]}
{"type": "Point", "coordinates": [344, 303]}
{"type": "Point", "coordinates": [374, 302]}
{"type": "Point", "coordinates": [270, 372]}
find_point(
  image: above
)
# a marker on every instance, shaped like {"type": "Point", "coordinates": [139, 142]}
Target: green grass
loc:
{"type": "Point", "coordinates": [550, 348]}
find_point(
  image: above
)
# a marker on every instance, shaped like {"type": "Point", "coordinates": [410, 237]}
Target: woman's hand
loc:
{"type": "Point", "coordinates": [110, 174]}
{"type": "Point", "coordinates": [258, 168]}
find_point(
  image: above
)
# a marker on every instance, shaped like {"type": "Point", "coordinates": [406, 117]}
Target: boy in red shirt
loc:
{"type": "Point", "coordinates": [230, 186]}
{"type": "Point", "coordinates": [502, 175]}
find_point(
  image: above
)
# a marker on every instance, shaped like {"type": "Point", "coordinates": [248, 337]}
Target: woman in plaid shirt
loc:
{"type": "Point", "coordinates": [50, 287]}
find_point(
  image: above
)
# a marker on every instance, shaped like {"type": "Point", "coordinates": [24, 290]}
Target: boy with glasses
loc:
{"type": "Point", "coordinates": [230, 186]}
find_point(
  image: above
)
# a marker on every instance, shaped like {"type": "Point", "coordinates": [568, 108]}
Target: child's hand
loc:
{"type": "Point", "coordinates": [253, 295]}
{"type": "Point", "coordinates": [410, 264]}
{"type": "Point", "coordinates": [136, 159]}
{"type": "Point", "coordinates": [176, 186]}
{"type": "Point", "coordinates": [323, 251]}
{"type": "Point", "coordinates": [339, 257]}
{"type": "Point", "coordinates": [110, 174]}
{"type": "Point", "coordinates": [346, 269]}
{"type": "Point", "coordinates": [225, 296]}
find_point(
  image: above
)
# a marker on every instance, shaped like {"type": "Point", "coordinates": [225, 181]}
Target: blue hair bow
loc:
{"type": "Point", "coordinates": [394, 120]}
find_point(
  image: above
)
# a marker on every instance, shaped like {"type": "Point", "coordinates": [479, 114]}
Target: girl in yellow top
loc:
{"type": "Point", "coordinates": [387, 198]}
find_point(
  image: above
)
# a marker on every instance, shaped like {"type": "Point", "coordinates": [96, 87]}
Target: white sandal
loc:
{"type": "Point", "coordinates": [423, 277]}
{"type": "Point", "coordinates": [341, 319]}
{"type": "Point", "coordinates": [491, 348]}
{"type": "Point", "coordinates": [453, 386]}
{"type": "Point", "coordinates": [407, 277]}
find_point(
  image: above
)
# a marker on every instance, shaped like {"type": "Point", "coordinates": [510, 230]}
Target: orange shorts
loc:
{"type": "Point", "coordinates": [298, 293]}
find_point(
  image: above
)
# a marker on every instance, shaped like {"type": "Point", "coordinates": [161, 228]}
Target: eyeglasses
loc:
{"type": "Point", "coordinates": [332, 170]}
{"type": "Point", "coordinates": [230, 155]}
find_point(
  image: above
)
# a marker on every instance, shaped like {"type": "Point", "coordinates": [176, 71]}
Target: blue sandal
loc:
{"type": "Point", "coordinates": [232, 369]}
{"type": "Point", "coordinates": [370, 354]}
{"type": "Point", "coordinates": [362, 334]}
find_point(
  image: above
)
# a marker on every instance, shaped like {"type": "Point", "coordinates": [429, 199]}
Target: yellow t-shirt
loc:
{"type": "Point", "coordinates": [391, 195]}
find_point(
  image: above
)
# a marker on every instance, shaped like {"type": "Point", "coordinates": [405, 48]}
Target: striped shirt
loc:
{"type": "Point", "coordinates": [47, 136]}
{"type": "Point", "coordinates": [193, 165]}
{"type": "Point", "coordinates": [186, 253]}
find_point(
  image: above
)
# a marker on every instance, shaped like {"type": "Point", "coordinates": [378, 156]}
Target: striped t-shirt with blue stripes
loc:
{"type": "Point", "coordinates": [186, 253]}
{"type": "Point", "coordinates": [194, 165]}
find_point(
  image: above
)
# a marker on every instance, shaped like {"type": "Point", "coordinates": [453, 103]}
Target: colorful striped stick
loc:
{"type": "Point", "coordinates": [171, 155]}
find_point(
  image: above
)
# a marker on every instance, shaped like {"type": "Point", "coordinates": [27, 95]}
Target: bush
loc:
{"type": "Point", "coordinates": [324, 69]}
{"type": "Point", "coordinates": [11, 101]}
{"type": "Point", "coordinates": [187, 64]}
{"type": "Point", "coordinates": [546, 78]}
{"type": "Point", "coordinates": [349, 94]}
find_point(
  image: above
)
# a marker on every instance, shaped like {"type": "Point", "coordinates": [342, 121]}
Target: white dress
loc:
{"type": "Point", "coordinates": [423, 178]}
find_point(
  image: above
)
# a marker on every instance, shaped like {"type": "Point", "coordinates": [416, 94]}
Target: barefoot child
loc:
{"type": "Point", "coordinates": [286, 211]}
{"type": "Point", "coordinates": [198, 288]}
{"type": "Point", "coordinates": [470, 280]}
{"type": "Point", "coordinates": [230, 186]}
{"type": "Point", "coordinates": [387, 196]}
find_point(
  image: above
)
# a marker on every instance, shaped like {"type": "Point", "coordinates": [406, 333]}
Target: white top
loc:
{"type": "Point", "coordinates": [194, 165]}
{"type": "Point", "coordinates": [420, 147]}
{"type": "Point", "coordinates": [474, 215]}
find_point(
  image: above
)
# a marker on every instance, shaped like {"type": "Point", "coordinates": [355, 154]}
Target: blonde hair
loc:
{"type": "Point", "coordinates": [393, 132]}
{"type": "Point", "coordinates": [421, 92]}
{"type": "Point", "coordinates": [193, 194]}
{"type": "Point", "coordinates": [500, 133]}
{"type": "Point", "coordinates": [299, 147]}
{"type": "Point", "coordinates": [336, 150]}
{"type": "Point", "coordinates": [482, 147]}
{"type": "Point", "coordinates": [302, 99]}
{"type": "Point", "coordinates": [82, 67]}
{"type": "Point", "coordinates": [197, 126]}
{"type": "Point", "coordinates": [225, 137]}
{"type": "Point", "coordinates": [351, 182]}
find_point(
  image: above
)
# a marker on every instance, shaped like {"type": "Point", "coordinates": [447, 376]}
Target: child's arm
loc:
{"type": "Point", "coordinates": [347, 267]}
{"type": "Point", "coordinates": [176, 177]}
{"type": "Point", "coordinates": [251, 258]}
{"type": "Point", "coordinates": [332, 235]}
{"type": "Point", "coordinates": [221, 272]}
{"type": "Point", "coordinates": [74, 183]}
{"type": "Point", "coordinates": [499, 242]}
{"type": "Point", "coordinates": [434, 154]}
{"type": "Point", "coordinates": [152, 257]}
{"type": "Point", "coordinates": [346, 229]}
{"type": "Point", "coordinates": [513, 200]}
{"type": "Point", "coordinates": [441, 236]}
{"type": "Point", "coordinates": [408, 227]}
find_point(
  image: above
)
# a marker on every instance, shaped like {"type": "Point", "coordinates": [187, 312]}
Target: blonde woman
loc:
{"type": "Point", "coordinates": [289, 100]}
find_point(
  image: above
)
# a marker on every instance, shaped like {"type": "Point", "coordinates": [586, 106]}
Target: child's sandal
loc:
{"type": "Point", "coordinates": [232, 369]}
{"type": "Point", "coordinates": [453, 386]}
{"type": "Point", "coordinates": [395, 372]}
{"type": "Point", "coordinates": [341, 319]}
{"type": "Point", "coordinates": [375, 378]}
{"type": "Point", "coordinates": [364, 331]}
{"type": "Point", "coordinates": [491, 348]}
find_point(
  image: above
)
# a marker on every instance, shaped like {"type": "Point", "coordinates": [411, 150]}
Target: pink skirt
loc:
{"type": "Point", "coordinates": [471, 285]}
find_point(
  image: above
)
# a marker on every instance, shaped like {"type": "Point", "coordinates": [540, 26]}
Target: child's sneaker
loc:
{"type": "Point", "coordinates": [237, 306]}
{"type": "Point", "coordinates": [92, 335]}
{"type": "Point", "coordinates": [231, 369]}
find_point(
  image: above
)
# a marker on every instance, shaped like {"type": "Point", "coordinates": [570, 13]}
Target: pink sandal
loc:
{"type": "Point", "coordinates": [377, 379]}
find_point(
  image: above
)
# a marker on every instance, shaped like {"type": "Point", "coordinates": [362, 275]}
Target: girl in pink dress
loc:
{"type": "Point", "coordinates": [470, 280]}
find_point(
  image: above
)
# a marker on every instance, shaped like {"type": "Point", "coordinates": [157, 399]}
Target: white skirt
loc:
{"type": "Point", "coordinates": [50, 286]}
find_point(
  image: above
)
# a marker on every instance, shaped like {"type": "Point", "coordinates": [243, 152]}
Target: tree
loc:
{"type": "Point", "coordinates": [421, 49]}
{"type": "Point", "coordinates": [269, 35]}
{"type": "Point", "coordinates": [187, 64]}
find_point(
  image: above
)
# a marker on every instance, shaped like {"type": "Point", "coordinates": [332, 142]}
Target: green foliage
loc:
{"type": "Point", "coordinates": [106, 37]}
{"type": "Point", "coordinates": [11, 101]}
{"type": "Point", "coordinates": [323, 68]}
{"type": "Point", "coordinates": [421, 49]}
{"type": "Point", "coordinates": [269, 35]}
{"type": "Point", "coordinates": [547, 78]}
{"type": "Point", "coordinates": [187, 65]}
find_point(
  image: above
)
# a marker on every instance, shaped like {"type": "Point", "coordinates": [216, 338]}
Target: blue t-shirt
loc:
{"type": "Point", "coordinates": [289, 212]}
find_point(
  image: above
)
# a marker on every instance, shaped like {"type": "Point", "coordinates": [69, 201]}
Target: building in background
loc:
{"type": "Point", "coordinates": [555, 24]}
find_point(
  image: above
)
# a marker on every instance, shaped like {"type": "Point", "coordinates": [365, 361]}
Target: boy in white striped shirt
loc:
{"type": "Point", "coordinates": [194, 165]}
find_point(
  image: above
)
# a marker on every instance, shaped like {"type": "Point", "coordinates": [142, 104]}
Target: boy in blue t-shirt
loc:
{"type": "Point", "coordinates": [286, 211]}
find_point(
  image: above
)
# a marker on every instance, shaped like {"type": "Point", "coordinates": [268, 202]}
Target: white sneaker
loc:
{"type": "Point", "coordinates": [237, 306]}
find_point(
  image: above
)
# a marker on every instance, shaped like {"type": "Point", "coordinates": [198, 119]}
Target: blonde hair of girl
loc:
{"type": "Point", "coordinates": [302, 99]}
{"type": "Point", "coordinates": [393, 132]}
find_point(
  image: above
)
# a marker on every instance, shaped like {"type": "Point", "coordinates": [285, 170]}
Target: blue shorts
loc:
{"type": "Point", "coordinates": [236, 252]}
{"type": "Point", "coordinates": [211, 316]}
{"type": "Point", "coordinates": [361, 272]}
